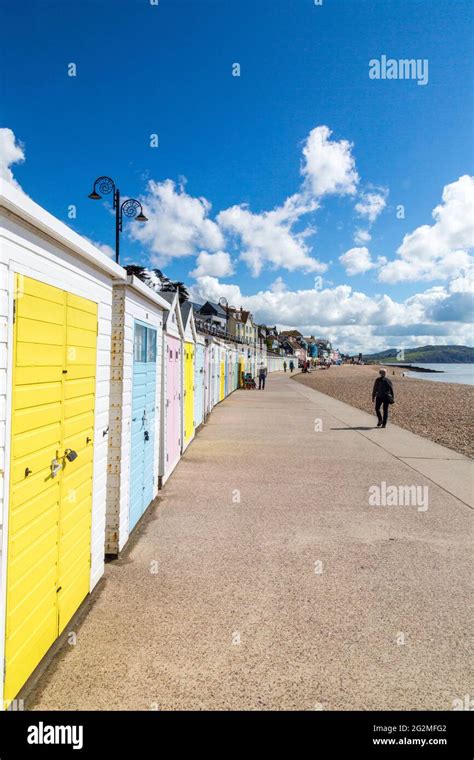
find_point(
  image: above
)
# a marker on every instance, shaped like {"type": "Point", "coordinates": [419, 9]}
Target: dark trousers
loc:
{"type": "Point", "coordinates": [261, 382]}
{"type": "Point", "coordinates": [381, 402]}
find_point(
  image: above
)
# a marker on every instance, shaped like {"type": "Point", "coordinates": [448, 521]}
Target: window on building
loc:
{"type": "Point", "coordinates": [150, 345]}
{"type": "Point", "coordinates": [139, 343]}
{"type": "Point", "coordinates": [144, 343]}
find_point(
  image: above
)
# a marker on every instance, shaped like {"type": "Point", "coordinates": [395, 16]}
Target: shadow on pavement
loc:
{"type": "Point", "coordinates": [372, 427]}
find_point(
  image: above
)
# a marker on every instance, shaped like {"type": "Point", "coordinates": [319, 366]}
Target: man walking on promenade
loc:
{"type": "Point", "coordinates": [292, 366]}
{"type": "Point", "coordinates": [284, 366]}
{"type": "Point", "coordinates": [383, 395]}
{"type": "Point", "coordinates": [262, 374]}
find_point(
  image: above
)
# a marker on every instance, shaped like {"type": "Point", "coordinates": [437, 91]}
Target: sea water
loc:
{"type": "Point", "coordinates": [447, 373]}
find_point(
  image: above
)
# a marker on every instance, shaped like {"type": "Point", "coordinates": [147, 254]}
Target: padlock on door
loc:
{"type": "Point", "coordinates": [70, 455]}
{"type": "Point", "coordinates": [147, 435]}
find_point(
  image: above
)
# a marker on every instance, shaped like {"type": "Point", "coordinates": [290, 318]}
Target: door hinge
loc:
{"type": "Point", "coordinates": [4, 670]}
{"type": "Point", "coordinates": [14, 310]}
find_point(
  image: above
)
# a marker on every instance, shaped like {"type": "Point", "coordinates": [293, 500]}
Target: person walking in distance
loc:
{"type": "Point", "coordinates": [284, 366]}
{"type": "Point", "coordinates": [262, 374]}
{"type": "Point", "coordinates": [292, 366]}
{"type": "Point", "coordinates": [383, 395]}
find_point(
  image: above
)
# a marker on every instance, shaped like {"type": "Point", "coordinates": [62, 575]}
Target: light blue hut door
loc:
{"type": "Point", "coordinates": [142, 453]}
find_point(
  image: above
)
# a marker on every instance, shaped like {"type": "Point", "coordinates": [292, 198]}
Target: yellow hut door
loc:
{"type": "Point", "coordinates": [77, 475]}
{"type": "Point", "coordinates": [222, 386]}
{"type": "Point", "coordinates": [48, 564]}
{"type": "Point", "coordinates": [241, 371]}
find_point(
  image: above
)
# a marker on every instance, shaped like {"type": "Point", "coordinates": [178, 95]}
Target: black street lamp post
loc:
{"type": "Point", "coordinates": [131, 207]}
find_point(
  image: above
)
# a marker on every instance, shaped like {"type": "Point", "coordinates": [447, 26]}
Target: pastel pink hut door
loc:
{"type": "Point", "coordinates": [173, 443]}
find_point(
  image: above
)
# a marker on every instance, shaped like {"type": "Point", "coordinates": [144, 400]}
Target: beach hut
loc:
{"type": "Point", "coordinates": [252, 360]}
{"type": "Point", "coordinates": [235, 367]}
{"type": "Point", "coordinates": [229, 369]}
{"type": "Point", "coordinates": [55, 306]}
{"type": "Point", "coordinates": [275, 362]}
{"type": "Point", "coordinates": [171, 387]}
{"type": "Point", "coordinates": [211, 376]}
{"type": "Point", "coordinates": [222, 370]}
{"type": "Point", "coordinates": [235, 356]}
{"type": "Point", "coordinates": [232, 368]}
{"type": "Point", "coordinates": [199, 379]}
{"type": "Point", "coordinates": [216, 371]}
{"type": "Point", "coordinates": [189, 342]}
{"type": "Point", "coordinates": [225, 356]}
{"type": "Point", "coordinates": [241, 362]}
{"type": "Point", "coordinates": [135, 409]}
{"type": "Point", "coordinates": [207, 378]}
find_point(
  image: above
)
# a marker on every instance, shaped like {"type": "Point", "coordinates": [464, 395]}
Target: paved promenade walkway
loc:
{"type": "Point", "coordinates": [264, 579]}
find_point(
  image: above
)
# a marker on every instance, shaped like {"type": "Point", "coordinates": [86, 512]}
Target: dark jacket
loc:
{"type": "Point", "coordinates": [383, 388]}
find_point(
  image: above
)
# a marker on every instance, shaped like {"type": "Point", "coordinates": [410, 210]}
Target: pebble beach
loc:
{"type": "Point", "coordinates": [442, 412]}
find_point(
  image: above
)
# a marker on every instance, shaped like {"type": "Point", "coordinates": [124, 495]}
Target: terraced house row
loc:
{"type": "Point", "coordinates": [104, 383]}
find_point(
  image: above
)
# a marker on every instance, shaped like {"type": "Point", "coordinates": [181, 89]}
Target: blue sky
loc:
{"type": "Point", "coordinates": [302, 121]}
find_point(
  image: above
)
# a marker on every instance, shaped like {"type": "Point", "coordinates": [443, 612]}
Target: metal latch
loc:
{"type": "Point", "coordinates": [56, 466]}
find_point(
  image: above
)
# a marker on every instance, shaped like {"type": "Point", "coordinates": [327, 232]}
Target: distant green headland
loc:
{"type": "Point", "coordinates": [424, 355]}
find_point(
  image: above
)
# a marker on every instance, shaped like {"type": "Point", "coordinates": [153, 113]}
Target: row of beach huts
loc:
{"type": "Point", "coordinates": [104, 383]}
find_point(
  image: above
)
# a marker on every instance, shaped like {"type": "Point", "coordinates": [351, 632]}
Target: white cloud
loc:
{"type": "Point", "coordinates": [356, 261]}
{"type": "Point", "coordinates": [438, 251]}
{"type": "Point", "coordinates": [371, 204]}
{"type": "Point", "coordinates": [335, 306]}
{"type": "Point", "coordinates": [456, 307]}
{"type": "Point", "coordinates": [463, 282]}
{"type": "Point", "coordinates": [208, 288]}
{"type": "Point", "coordinates": [278, 286]}
{"type": "Point", "coordinates": [178, 225]}
{"type": "Point", "coordinates": [11, 152]}
{"type": "Point", "coordinates": [353, 320]}
{"type": "Point", "coordinates": [362, 236]}
{"type": "Point", "coordinates": [217, 264]}
{"type": "Point", "coordinates": [329, 166]}
{"type": "Point", "coordinates": [107, 249]}
{"type": "Point", "coordinates": [269, 237]}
